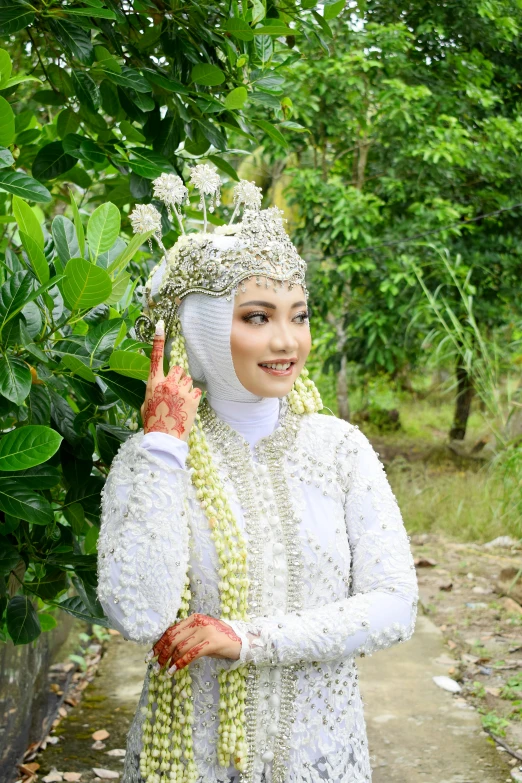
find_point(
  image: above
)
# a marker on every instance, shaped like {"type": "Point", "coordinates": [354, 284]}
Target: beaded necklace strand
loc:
{"type": "Point", "coordinates": [169, 715]}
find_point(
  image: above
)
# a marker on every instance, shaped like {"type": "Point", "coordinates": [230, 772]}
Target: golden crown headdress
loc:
{"type": "Point", "coordinates": [213, 263]}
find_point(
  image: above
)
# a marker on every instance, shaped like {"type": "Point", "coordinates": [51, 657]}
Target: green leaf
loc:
{"type": "Point", "coordinates": [85, 285]}
{"type": "Point", "coordinates": [95, 13]}
{"type": "Point", "coordinates": [77, 367]}
{"type": "Point", "coordinates": [258, 11]}
{"type": "Point", "coordinates": [100, 340]}
{"type": "Point", "coordinates": [86, 89]}
{"type": "Point", "coordinates": [23, 624]}
{"type": "Point", "coordinates": [75, 40]}
{"type": "Point", "coordinates": [51, 161]}
{"type": "Point", "coordinates": [47, 621]}
{"type": "Point", "coordinates": [15, 379]}
{"type": "Point", "coordinates": [20, 79]}
{"type": "Point", "coordinates": [165, 83]}
{"type": "Point", "coordinates": [109, 439]}
{"type": "Point", "coordinates": [106, 59]}
{"type": "Point", "coordinates": [236, 98]}
{"type": "Point", "coordinates": [27, 446]}
{"type": "Point", "coordinates": [239, 29]}
{"type": "Point", "coordinates": [133, 365]}
{"type": "Point", "coordinates": [129, 390]}
{"type": "Point", "coordinates": [6, 157]}
{"type": "Point", "coordinates": [323, 24]}
{"type": "Point", "coordinates": [51, 584]}
{"type": "Point", "coordinates": [278, 29]}
{"type": "Point", "coordinates": [6, 66]}
{"type": "Point", "coordinates": [103, 228]}
{"type": "Point", "coordinates": [39, 477]}
{"type": "Point", "coordinates": [88, 495]}
{"type": "Point", "coordinates": [272, 131]}
{"type": "Point", "coordinates": [13, 295]}
{"type": "Point", "coordinates": [334, 9]}
{"type": "Point", "coordinates": [49, 98]}
{"type": "Point", "coordinates": [75, 517]}
{"type": "Point", "coordinates": [27, 221]}
{"type": "Point", "coordinates": [77, 608]}
{"type": "Point", "coordinates": [130, 132]}
{"type": "Point", "coordinates": [130, 78]}
{"type": "Point", "coordinates": [224, 166]}
{"type": "Point", "coordinates": [90, 542]}
{"type": "Point", "coordinates": [65, 241]}
{"type": "Point", "coordinates": [67, 122]}
{"type": "Point", "coordinates": [39, 405]}
{"type": "Point", "coordinates": [148, 164]}
{"type": "Point", "coordinates": [214, 134]}
{"type": "Point", "coordinates": [23, 503]}
{"type": "Point", "coordinates": [36, 257]}
{"type": "Point", "coordinates": [78, 224]}
{"type": "Point", "coordinates": [119, 287]}
{"type": "Point", "coordinates": [207, 75]}
{"type": "Point", "coordinates": [9, 556]}
{"type": "Point", "coordinates": [13, 18]}
{"type": "Point", "coordinates": [24, 186]}
{"type": "Point", "coordinates": [7, 123]}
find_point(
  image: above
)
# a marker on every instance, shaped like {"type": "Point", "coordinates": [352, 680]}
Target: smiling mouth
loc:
{"type": "Point", "coordinates": [278, 368]}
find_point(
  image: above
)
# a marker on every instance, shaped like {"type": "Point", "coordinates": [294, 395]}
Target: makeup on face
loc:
{"type": "Point", "coordinates": [270, 338]}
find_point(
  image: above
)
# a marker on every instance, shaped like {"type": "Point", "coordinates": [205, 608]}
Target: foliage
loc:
{"type": "Point", "coordinates": [113, 94]}
{"type": "Point", "coordinates": [414, 127]}
{"type": "Point", "coordinates": [95, 102]}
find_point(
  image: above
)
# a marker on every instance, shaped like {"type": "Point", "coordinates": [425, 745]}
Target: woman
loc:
{"type": "Point", "coordinates": [255, 544]}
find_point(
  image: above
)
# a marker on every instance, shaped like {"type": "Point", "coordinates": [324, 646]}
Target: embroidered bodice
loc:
{"type": "Point", "coordinates": [331, 578]}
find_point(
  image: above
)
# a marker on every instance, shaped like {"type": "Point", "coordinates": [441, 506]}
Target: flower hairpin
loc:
{"type": "Point", "coordinates": [170, 189]}
{"type": "Point", "coordinates": [248, 194]}
{"type": "Point", "coordinates": [206, 179]}
{"type": "Point", "coordinates": [145, 218]}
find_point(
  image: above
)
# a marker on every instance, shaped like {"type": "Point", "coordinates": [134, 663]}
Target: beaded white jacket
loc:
{"type": "Point", "coordinates": [331, 573]}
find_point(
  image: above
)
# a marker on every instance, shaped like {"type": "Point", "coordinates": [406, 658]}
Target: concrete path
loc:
{"type": "Point", "coordinates": [417, 732]}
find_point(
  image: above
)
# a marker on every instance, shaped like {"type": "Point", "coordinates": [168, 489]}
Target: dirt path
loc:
{"type": "Point", "coordinates": [417, 731]}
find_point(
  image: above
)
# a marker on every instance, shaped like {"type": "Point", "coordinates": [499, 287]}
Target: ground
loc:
{"type": "Point", "coordinates": [417, 731]}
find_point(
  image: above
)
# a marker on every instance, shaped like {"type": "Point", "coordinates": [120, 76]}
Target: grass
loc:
{"type": "Point", "coordinates": [437, 492]}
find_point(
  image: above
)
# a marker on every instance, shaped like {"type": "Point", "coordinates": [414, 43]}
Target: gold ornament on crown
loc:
{"type": "Point", "coordinates": [262, 250]}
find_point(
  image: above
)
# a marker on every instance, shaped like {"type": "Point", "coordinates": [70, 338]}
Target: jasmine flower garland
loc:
{"type": "Point", "coordinates": [167, 730]}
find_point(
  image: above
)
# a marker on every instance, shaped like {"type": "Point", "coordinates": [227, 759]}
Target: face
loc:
{"type": "Point", "coordinates": [269, 328]}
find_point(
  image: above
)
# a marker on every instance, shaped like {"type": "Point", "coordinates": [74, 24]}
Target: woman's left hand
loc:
{"type": "Point", "coordinates": [195, 637]}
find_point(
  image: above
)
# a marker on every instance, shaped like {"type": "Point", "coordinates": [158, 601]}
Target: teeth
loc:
{"type": "Point", "coordinates": [278, 366]}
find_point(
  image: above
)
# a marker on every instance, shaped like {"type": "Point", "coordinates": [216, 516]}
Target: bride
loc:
{"type": "Point", "coordinates": [251, 542]}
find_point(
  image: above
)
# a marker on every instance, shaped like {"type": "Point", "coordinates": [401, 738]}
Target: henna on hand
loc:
{"type": "Point", "coordinates": [175, 640]}
{"type": "Point", "coordinates": [170, 403]}
{"type": "Point", "coordinates": [164, 410]}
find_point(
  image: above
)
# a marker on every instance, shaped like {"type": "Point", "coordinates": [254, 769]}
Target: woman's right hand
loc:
{"type": "Point", "coordinates": [170, 403]}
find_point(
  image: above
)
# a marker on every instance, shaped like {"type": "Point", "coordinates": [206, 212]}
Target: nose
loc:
{"type": "Point", "coordinates": [283, 339]}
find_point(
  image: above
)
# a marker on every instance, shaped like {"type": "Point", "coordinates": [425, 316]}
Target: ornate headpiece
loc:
{"type": "Point", "coordinates": [213, 263]}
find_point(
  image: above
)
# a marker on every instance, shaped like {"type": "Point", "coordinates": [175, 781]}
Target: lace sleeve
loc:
{"type": "Point", "coordinates": [143, 547]}
{"type": "Point", "coordinates": [381, 610]}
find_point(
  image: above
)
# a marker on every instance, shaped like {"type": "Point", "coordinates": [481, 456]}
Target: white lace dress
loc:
{"type": "Point", "coordinates": [332, 578]}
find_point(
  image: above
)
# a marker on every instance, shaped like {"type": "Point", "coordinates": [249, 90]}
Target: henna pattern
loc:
{"type": "Point", "coordinates": [156, 356]}
{"type": "Point", "coordinates": [166, 648]}
{"type": "Point", "coordinates": [193, 653]}
{"type": "Point", "coordinates": [166, 393]}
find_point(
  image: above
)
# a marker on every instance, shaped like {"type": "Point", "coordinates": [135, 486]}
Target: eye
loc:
{"type": "Point", "coordinates": [256, 318]}
{"type": "Point", "coordinates": [302, 318]}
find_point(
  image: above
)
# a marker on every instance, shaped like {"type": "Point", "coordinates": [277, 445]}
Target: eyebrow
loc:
{"type": "Point", "coordinates": [270, 305]}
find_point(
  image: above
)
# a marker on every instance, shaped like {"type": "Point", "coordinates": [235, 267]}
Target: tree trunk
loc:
{"type": "Point", "coordinates": [465, 394]}
{"type": "Point", "coordinates": [343, 403]}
